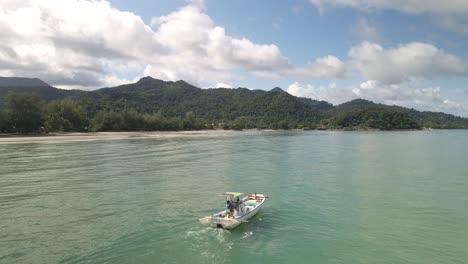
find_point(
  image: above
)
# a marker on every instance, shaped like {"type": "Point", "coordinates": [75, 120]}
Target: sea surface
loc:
{"type": "Point", "coordinates": [334, 197]}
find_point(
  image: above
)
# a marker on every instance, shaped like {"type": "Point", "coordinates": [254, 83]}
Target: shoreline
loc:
{"type": "Point", "coordinates": [130, 134]}
{"type": "Point", "coordinates": [92, 136]}
{"type": "Point", "coordinates": [6, 138]}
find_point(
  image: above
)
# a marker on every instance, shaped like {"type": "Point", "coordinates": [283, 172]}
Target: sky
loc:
{"type": "Point", "coordinates": [405, 52]}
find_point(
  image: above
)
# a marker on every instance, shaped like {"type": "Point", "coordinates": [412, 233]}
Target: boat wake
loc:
{"type": "Point", "coordinates": [211, 244]}
{"type": "Point", "coordinates": [207, 234]}
{"type": "Point", "coordinates": [246, 235]}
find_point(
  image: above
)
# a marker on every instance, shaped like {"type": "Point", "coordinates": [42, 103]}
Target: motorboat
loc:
{"type": "Point", "coordinates": [239, 209]}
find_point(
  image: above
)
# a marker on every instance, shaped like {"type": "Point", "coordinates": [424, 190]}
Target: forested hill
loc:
{"type": "Point", "coordinates": [424, 118]}
{"type": "Point", "coordinates": [21, 82]}
{"type": "Point", "coordinates": [36, 86]}
{"type": "Point", "coordinates": [184, 106]}
{"type": "Point", "coordinates": [254, 107]}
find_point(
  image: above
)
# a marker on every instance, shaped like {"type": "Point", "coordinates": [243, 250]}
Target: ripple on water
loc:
{"type": "Point", "coordinates": [332, 199]}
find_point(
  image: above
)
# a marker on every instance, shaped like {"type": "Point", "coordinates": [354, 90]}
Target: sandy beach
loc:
{"type": "Point", "coordinates": [74, 136]}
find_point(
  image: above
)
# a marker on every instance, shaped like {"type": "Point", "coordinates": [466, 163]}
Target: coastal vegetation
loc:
{"type": "Point", "coordinates": [26, 113]}
{"type": "Point", "coordinates": [371, 118]}
{"type": "Point", "coordinates": [155, 105]}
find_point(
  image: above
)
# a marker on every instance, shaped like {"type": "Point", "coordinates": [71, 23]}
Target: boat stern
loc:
{"type": "Point", "coordinates": [227, 223]}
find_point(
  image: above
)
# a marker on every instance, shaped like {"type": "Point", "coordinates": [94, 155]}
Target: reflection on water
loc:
{"type": "Point", "coordinates": [335, 197]}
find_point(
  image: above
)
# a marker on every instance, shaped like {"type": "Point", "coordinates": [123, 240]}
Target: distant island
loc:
{"type": "Point", "coordinates": [31, 106]}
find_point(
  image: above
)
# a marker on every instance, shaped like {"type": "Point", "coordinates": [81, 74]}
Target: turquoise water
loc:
{"type": "Point", "coordinates": [335, 197]}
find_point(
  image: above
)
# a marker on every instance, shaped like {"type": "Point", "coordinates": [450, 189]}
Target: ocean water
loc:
{"type": "Point", "coordinates": [335, 197]}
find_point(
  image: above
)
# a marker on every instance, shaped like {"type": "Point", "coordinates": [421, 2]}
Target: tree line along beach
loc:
{"type": "Point", "coordinates": [32, 106]}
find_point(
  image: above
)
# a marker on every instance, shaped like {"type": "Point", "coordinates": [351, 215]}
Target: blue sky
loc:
{"type": "Point", "coordinates": [411, 53]}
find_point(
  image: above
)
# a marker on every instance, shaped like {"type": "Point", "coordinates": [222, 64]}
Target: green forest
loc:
{"type": "Point", "coordinates": [155, 105]}
{"type": "Point", "coordinates": [27, 113]}
{"type": "Point", "coordinates": [371, 118]}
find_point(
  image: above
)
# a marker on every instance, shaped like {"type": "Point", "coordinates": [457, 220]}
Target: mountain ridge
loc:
{"type": "Point", "coordinates": [22, 82]}
{"type": "Point", "coordinates": [36, 86]}
{"type": "Point", "coordinates": [150, 95]}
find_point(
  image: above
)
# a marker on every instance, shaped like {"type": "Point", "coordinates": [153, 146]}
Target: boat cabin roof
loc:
{"type": "Point", "coordinates": [232, 194]}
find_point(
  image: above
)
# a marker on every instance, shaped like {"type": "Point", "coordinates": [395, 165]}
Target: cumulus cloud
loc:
{"type": "Point", "coordinates": [82, 43]}
{"type": "Point", "coordinates": [224, 85]}
{"type": "Point", "coordinates": [322, 68]}
{"type": "Point", "coordinates": [451, 14]}
{"type": "Point", "coordinates": [398, 94]}
{"type": "Point", "coordinates": [192, 38]}
{"type": "Point", "coordinates": [193, 34]}
{"type": "Point", "coordinates": [330, 93]}
{"type": "Point", "coordinates": [88, 43]}
{"type": "Point", "coordinates": [395, 76]}
{"type": "Point", "coordinates": [410, 94]}
{"type": "Point", "coordinates": [412, 60]}
{"type": "Point", "coordinates": [56, 41]}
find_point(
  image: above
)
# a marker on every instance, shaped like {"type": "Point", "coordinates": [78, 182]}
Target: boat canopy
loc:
{"type": "Point", "coordinates": [232, 194]}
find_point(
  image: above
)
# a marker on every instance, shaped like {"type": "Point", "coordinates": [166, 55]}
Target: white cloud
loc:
{"type": "Point", "coordinates": [57, 41]}
{"type": "Point", "coordinates": [412, 60]}
{"type": "Point", "coordinates": [409, 94]}
{"type": "Point", "coordinates": [321, 68]}
{"type": "Point", "coordinates": [395, 76]}
{"type": "Point", "coordinates": [330, 93]}
{"type": "Point", "coordinates": [399, 94]}
{"type": "Point", "coordinates": [364, 30]}
{"type": "Point", "coordinates": [89, 43]}
{"type": "Point", "coordinates": [79, 43]}
{"type": "Point", "coordinates": [451, 14]}
{"type": "Point", "coordinates": [224, 85]}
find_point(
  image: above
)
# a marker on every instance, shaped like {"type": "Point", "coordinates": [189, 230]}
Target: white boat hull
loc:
{"type": "Point", "coordinates": [220, 219]}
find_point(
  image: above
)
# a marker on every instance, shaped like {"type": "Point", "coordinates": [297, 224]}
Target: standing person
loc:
{"type": "Point", "coordinates": [237, 204]}
{"type": "Point", "coordinates": [230, 207]}
{"type": "Point", "coordinates": [240, 206]}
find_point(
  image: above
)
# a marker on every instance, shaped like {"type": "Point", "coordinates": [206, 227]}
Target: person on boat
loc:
{"type": "Point", "coordinates": [234, 204]}
{"type": "Point", "coordinates": [238, 205]}
{"type": "Point", "coordinates": [242, 208]}
{"type": "Point", "coordinates": [230, 207]}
